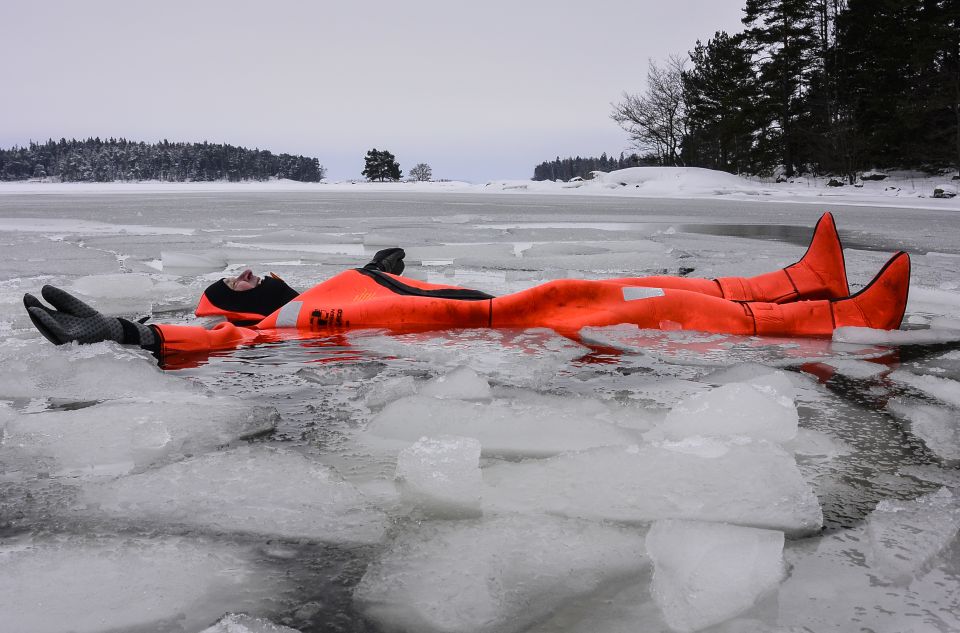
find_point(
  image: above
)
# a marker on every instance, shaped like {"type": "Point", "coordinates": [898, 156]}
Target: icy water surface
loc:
{"type": "Point", "coordinates": [473, 480]}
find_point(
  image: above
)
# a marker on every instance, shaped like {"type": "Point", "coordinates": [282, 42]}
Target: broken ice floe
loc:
{"type": "Point", "coordinates": [751, 484]}
{"type": "Point", "coordinates": [116, 438]}
{"type": "Point", "coordinates": [241, 623]}
{"type": "Point", "coordinates": [751, 410]}
{"type": "Point", "coordinates": [906, 537]}
{"type": "Point", "coordinates": [253, 489]}
{"type": "Point", "coordinates": [706, 573]}
{"type": "Point", "coordinates": [528, 425]}
{"type": "Point", "coordinates": [935, 425]}
{"type": "Point", "coordinates": [86, 584]}
{"type": "Point", "coordinates": [441, 476]}
{"type": "Point", "coordinates": [499, 575]}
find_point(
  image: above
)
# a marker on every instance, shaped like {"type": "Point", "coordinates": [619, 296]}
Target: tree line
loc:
{"type": "Point", "coordinates": [809, 86]}
{"type": "Point", "coordinates": [567, 168]}
{"type": "Point", "coordinates": [95, 160]}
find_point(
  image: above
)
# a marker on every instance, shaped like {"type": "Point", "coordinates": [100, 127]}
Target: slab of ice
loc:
{"type": "Point", "coordinates": [498, 575]}
{"type": "Point", "coordinates": [906, 537]}
{"type": "Point", "coordinates": [382, 393]}
{"type": "Point", "coordinates": [755, 411]}
{"type": "Point", "coordinates": [36, 369]}
{"type": "Point", "coordinates": [752, 484]}
{"type": "Point", "coordinates": [527, 358]}
{"type": "Point", "coordinates": [441, 476]}
{"type": "Point", "coordinates": [705, 573]}
{"type": "Point", "coordinates": [462, 383]}
{"type": "Point", "coordinates": [192, 263]}
{"type": "Point", "coordinates": [535, 427]}
{"type": "Point", "coordinates": [242, 623]}
{"type": "Point", "coordinates": [895, 337]}
{"type": "Point", "coordinates": [943, 389]}
{"type": "Point", "coordinates": [703, 349]}
{"type": "Point", "coordinates": [832, 587]}
{"type": "Point", "coordinates": [815, 444]}
{"type": "Point", "coordinates": [936, 426]}
{"type": "Point", "coordinates": [857, 369]}
{"type": "Point", "coordinates": [254, 489]}
{"type": "Point", "coordinates": [119, 437]}
{"type": "Point", "coordinates": [90, 585]}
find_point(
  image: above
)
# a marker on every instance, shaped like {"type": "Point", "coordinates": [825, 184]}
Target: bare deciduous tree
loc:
{"type": "Point", "coordinates": [656, 120]}
{"type": "Point", "coordinates": [421, 172]}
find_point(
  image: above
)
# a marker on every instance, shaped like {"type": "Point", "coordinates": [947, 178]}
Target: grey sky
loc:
{"type": "Point", "coordinates": [478, 90]}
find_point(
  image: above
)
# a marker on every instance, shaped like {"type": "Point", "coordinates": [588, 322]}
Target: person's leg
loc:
{"type": "Point", "coordinates": [820, 274]}
{"type": "Point", "coordinates": [568, 305]}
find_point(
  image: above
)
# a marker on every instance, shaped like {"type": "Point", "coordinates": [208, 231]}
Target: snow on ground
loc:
{"type": "Point", "coordinates": [461, 481]}
{"type": "Point", "coordinates": [898, 189]}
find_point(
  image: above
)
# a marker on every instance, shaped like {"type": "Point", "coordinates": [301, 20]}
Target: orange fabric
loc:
{"type": "Point", "coordinates": [207, 309]}
{"type": "Point", "coordinates": [353, 300]}
{"type": "Point", "coordinates": [191, 338]}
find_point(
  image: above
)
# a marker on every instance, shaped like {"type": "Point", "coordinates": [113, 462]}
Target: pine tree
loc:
{"type": "Point", "coordinates": [721, 92]}
{"type": "Point", "coordinates": [381, 165]}
{"type": "Point", "coordinates": [783, 34]}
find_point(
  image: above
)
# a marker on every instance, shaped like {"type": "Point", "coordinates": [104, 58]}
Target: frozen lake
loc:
{"type": "Point", "coordinates": [475, 481]}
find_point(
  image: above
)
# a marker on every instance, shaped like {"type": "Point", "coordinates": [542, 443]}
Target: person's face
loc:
{"type": "Point", "coordinates": [244, 281]}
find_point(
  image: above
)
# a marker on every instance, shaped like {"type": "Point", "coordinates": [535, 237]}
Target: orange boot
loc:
{"type": "Point", "coordinates": [880, 305]}
{"type": "Point", "coordinates": [820, 273]}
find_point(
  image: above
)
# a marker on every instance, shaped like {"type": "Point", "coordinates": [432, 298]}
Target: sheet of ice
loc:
{"type": "Point", "coordinates": [60, 226]}
{"type": "Point", "coordinates": [129, 293]}
{"type": "Point", "coordinates": [857, 369]}
{"type": "Point", "coordinates": [498, 575]}
{"type": "Point", "coordinates": [705, 573]}
{"type": "Point", "coordinates": [88, 584]}
{"type": "Point", "coordinates": [242, 623]}
{"type": "Point", "coordinates": [704, 349]}
{"type": "Point", "coordinates": [906, 537]}
{"type": "Point", "coordinates": [116, 438]}
{"type": "Point", "coordinates": [35, 369]}
{"type": "Point", "coordinates": [382, 393]}
{"type": "Point", "coordinates": [895, 337]}
{"type": "Point", "coordinates": [815, 444]}
{"type": "Point", "coordinates": [943, 389]}
{"type": "Point", "coordinates": [529, 358]}
{"type": "Point", "coordinates": [832, 587]}
{"type": "Point", "coordinates": [441, 476]}
{"type": "Point", "coordinates": [462, 383]}
{"type": "Point", "coordinates": [531, 426]}
{"type": "Point", "coordinates": [176, 263]}
{"type": "Point", "coordinates": [252, 489]}
{"type": "Point", "coordinates": [752, 484]}
{"type": "Point", "coordinates": [935, 474]}
{"type": "Point", "coordinates": [750, 410]}
{"type": "Point", "coordinates": [936, 426]}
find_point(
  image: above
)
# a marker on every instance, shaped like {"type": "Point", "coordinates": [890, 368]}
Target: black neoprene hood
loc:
{"type": "Point", "coordinates": [265, 298]}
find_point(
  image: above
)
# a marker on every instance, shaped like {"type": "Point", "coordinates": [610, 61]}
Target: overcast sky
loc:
{"type": "Point", "coordinates": [478, 90]}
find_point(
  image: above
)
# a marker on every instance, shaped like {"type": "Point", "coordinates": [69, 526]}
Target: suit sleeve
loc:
{"type": "Point", "coordinates": [191, 338]}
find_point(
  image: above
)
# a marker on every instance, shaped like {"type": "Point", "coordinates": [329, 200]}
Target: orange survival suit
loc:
{"type": "Point", "coordinates": [790, 302]}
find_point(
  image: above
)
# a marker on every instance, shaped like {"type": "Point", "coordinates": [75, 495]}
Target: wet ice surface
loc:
{"type": "Point", "coordinates": [479, 480]}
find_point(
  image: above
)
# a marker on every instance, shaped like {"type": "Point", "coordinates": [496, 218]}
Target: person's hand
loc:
{"type": "Point", "coordinates": [389, 260]}
{"type": "Point", "coordinates": [73, 320]}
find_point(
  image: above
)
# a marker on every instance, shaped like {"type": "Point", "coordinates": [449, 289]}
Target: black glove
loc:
{"type": "Point", "coordinates": [389, 260]}
{"type": "Point", "coordinates": [73, 320]}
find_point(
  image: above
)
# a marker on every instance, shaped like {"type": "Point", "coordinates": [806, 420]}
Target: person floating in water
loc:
{"type": "Point", "coordinates": [808, 298]}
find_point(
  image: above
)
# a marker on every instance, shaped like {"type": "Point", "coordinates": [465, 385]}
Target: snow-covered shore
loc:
{"type": "Point", "coordinates": [899, 189]}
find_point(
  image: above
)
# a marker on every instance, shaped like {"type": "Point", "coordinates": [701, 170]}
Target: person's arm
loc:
{"type": "Point", "coordinates": [71, 320]}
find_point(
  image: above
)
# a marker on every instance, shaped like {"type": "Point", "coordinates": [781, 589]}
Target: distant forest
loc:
{"type": "Point", "coordinates": [94, 160]}
{"type": "Point", "coordinates": [567, 168]}
{"type": "Point", "coordinates": [809, 87]}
